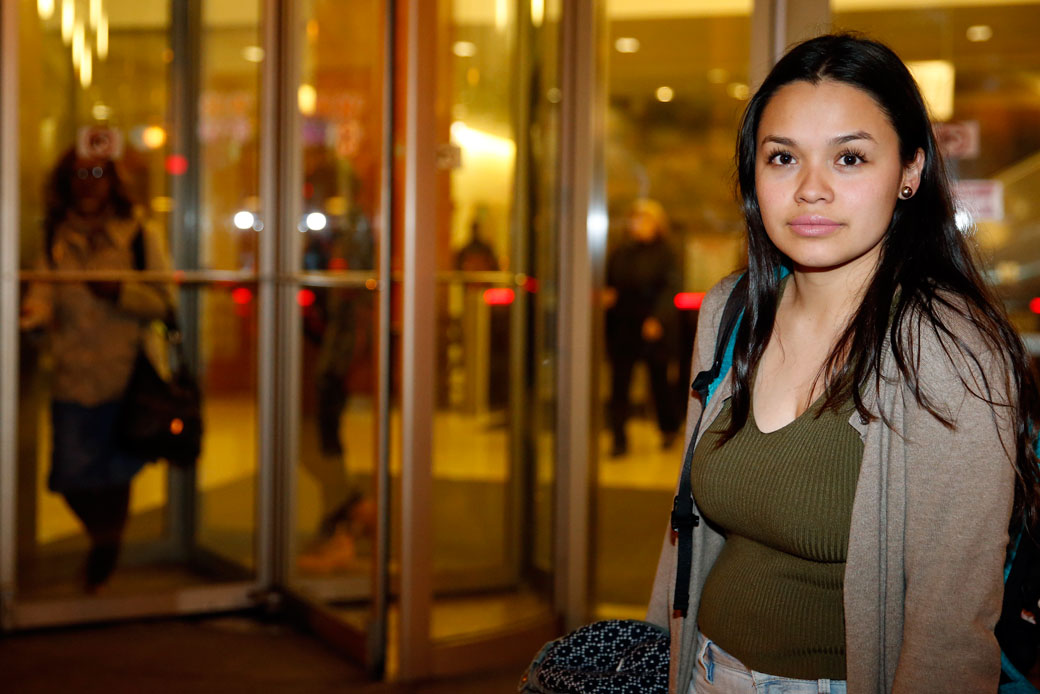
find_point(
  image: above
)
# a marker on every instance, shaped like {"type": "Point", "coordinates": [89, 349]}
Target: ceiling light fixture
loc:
{"type": "Point", "coordinates": [627, 44]}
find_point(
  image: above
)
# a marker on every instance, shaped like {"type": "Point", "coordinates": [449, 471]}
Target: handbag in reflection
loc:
{"type": "Point", "coordinates": [162, 418]}
{"type": "Point", "coordinates": [614, 656]}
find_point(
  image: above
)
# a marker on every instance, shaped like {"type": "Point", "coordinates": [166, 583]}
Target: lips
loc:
{"type": "Point", "coordinates": [813, 225]}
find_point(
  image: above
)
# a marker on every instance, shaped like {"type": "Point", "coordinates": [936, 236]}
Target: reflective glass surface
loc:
{"type": "Point", "coordinates": [102, 165]}
{"type": "Point", "coordinates": [978, 66]}
{"type": "Point", "coordinates": [677, 84]}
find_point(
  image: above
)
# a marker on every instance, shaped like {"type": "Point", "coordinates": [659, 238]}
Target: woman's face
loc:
{"type": "Point", "coordinates": [91, 186]}
{"type": "Point", "coordinates": [642, 225]}
{"type": "Point", "coordinates": [828, 175]}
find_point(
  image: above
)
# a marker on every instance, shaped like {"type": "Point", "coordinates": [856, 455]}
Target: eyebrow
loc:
{"type": "Point", "coordinates": [840, 140]}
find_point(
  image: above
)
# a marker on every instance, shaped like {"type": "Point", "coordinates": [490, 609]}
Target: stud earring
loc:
{"type": "Point", "coordinates": [907, 192]}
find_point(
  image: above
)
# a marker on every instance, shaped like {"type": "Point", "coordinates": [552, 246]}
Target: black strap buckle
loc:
{"type": "Point", "coordinates": [683, 520]}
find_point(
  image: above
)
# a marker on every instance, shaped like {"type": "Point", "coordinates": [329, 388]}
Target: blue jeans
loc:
{"type": "Point", "coordinates": [720, 673]}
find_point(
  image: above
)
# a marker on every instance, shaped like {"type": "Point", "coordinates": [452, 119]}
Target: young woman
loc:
{"type": "Point", "coordinates": [95, 330]}
{"type": "Point", "coordinates": [858, 467]}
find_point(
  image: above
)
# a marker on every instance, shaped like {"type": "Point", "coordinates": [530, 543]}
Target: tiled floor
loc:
{"type": "Point", "coordinates": [222, 655]}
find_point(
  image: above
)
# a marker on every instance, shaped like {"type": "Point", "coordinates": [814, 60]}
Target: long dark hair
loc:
{"type": "Point", "coordinates": [927, 274]}
{"type": "Point", "coordinates": [59, 198]}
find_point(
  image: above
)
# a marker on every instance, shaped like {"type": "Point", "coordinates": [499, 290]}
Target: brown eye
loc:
{"type": "Point", "coordinates": [850, 159]}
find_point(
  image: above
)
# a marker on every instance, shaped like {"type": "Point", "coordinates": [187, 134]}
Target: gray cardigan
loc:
{"type": "Point", "coordinates": [924, 575]}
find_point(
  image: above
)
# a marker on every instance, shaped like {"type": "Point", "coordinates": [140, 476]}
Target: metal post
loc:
{"type": "Point", "coordinates": [381, 566]}
{"type": "Point", "coordinates": [519, 494]}
{"type": "Point", "coordinates": [9, 236]}
{"type": "Point", "coordinates": [418, 342]}
{"type": "Point", "coordinates": [185, 83]}
{"type": "Point", "coordinates": [583, 224]}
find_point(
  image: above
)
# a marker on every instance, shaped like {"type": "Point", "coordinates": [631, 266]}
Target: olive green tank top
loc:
{"type": "Point", "coordinates": [773, 598]}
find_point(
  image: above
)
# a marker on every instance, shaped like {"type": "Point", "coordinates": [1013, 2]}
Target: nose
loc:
{"type": "Point", "coordinates": [813, 186]}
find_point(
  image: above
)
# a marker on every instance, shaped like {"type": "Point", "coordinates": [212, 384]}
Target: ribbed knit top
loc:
{"type": "Point", "coordinates": [773, 598]}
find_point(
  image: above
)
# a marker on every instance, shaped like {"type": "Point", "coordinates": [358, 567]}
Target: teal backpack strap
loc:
{"type": "Point", "coordinates": [727, 356]}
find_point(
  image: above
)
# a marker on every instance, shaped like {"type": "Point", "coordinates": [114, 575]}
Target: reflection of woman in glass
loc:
{"type": "Point", "coordinates": [642, 321]}
{"type": "Point", "coordinates": [858, 466]}
{"type": "Point", "coordinates": [95, 329]}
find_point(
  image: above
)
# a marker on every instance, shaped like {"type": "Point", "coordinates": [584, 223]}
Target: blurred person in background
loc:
{"type": "Point", "coordinates": [339, 324]}
{"type": "Point", "coordinates": [643, 275]}
{"type": "Point", "coordinates": [95, 330]}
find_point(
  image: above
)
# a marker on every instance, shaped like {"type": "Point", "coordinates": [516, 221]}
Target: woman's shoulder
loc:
{"type": "Point", "coordinates": [951, 341]}
{"type": "Point", "coordinates": [715, 298]}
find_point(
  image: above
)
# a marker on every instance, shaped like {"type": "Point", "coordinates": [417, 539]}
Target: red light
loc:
{"type": "Point", "coordinates": [178, 276]}
{"type": "Point", "coordinates": [177, 164]}
{"type": "Point", "coordinates": [689, 301]}
{"type": "Point", "coordinates": [338, 263]}
{"type": "Point", "coordinates": [531, 285]}
{"type": "Point", "coordinates": [498, 297]}
{"type": "Point", "coordinates": [1034, 305]}
{"type": "Point", "coordinates": [308, 190]}
{"type": "Point", "coordinates": [241, 295]}
{"type": "Point", "coordinates": [305, 298]}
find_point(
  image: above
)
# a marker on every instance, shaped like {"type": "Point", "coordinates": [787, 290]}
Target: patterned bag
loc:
{"type": "Point", "coordinates": [616, 656]}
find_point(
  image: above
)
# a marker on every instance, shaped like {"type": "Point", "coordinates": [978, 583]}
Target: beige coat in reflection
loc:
{"type": "Point", "coordinates": [94, 341]}
{"type": "Point", "coordinates": [924, 577]}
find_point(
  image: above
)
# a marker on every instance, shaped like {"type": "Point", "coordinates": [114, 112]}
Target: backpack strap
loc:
{"type": "Point", "coordinates": [684, 520]}
{"type": "Point", "coordinates": [137, 248]}
{"type": "Point", "coordinates": [141, 263]}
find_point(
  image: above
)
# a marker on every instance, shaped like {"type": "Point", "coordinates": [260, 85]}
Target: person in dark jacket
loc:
{"type": "Point", "coordinates": [643, 275]}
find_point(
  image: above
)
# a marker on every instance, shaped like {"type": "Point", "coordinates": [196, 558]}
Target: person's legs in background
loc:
{"type": "Point", "coordinates": [345, 511]}
{"type": "Point", "coordinates": [103, 513]}
{"type": "Point", "coordinates": [621, 365]}
{"type": "Point", "coordinates": [664, 396]}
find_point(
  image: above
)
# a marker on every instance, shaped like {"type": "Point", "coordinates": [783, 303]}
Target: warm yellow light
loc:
{"type": "Point", "coordinates": [312, 29]}
{"type": "Point", "coordinates": [464, 49]}
{"type": "Point", "coordinates": [738, 90]}
{"type": "Point", "coordinates": [665, 94]}
{"type": "Point", "coordinates": [935, 78]}
{"type": "Point", "coordinates": [253, 54]}
{"type": "Point", "coordinates": [626, 44]}
{"type": "Point", "coordinates": [307, 99]}
{"type": "Point", "coordinates": [501, 14]}
{"type": "Point", "coordinates": [68, 20]}
{"type": "Point", "coordinates": [472, 140]}
{"type": "Point", "coordinates": [102, 37]}
{"type": "Point", "coordinates": [94, 13]}
{"type": "Point", "coordinates": [162, 203]}
{"type": "Point", "coordinates": [153, 137]}
{"type": "Point", "coordinates": [86, 68]}
{"type": "Point", "coordinates": [979, 33]}
{"type": "Point", "coordinates": [78, 44]}
{"type": "Point", "coordinates": [537, 12]}
{"type": "Point", "coordinates": [45, 8]}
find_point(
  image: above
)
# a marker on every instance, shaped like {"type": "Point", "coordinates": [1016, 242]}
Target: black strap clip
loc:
{"type": "Point", "coordinates": [683, 520]}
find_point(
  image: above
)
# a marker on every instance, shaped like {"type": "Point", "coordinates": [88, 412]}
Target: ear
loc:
{"type": "Point", "coordinates": [912, 171]}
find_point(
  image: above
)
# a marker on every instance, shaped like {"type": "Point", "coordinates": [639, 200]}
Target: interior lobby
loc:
{"type": "Point", "coordinates": [388, 225]}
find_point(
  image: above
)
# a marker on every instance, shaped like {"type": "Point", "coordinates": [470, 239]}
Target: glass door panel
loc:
{"type": "Point", "coordinates": [677, 84]}
{"type": "Point", "coordinates": [978, 67]}
{"type": "Point", "coordinates": [335, 273]}
{"type": "Point", "coordinates": [107, 153]}
{"type": "Point", "coordinates": [493, 425]}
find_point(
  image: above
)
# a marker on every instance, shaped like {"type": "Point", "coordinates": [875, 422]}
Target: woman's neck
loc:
{"type": "Point", "coordinates": [828, 297]}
